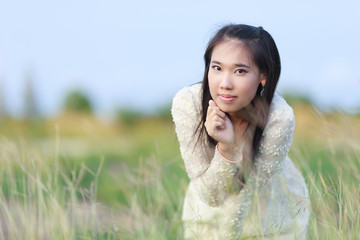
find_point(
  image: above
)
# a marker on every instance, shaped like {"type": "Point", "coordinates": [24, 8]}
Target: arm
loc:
{"type": "Point", "coordinates": [213, 178]}
{"type": "Point", "coordinates": [274, 147]}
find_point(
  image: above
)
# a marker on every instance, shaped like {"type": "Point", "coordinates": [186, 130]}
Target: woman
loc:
{"type": "Point", "coordinates": [235, 133]}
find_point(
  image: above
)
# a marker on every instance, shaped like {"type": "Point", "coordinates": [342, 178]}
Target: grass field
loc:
{"type": "Point", "coordinates": [76, 177]}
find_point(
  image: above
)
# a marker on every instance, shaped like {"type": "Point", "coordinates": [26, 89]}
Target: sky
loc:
{"type": "Point", "coordinates": [138, 54]}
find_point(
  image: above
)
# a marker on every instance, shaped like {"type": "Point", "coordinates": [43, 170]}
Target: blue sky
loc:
{"type": "Point", "coordinates": [139, 53]}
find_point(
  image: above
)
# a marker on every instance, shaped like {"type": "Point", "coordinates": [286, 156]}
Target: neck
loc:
{"type": "Point", "coordinates": [243, 115]}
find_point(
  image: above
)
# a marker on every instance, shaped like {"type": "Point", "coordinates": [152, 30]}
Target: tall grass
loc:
{"type": "Point", "coordinates": [335, 201]}
{"type": "Point", "coordinates": [155, 201]}
{"type": "Point", "coordinates": [40, 200]}
{"type": "Point", "coordinates": [330, 162]}
{"type": "Point", "coordinates": [43, 195]}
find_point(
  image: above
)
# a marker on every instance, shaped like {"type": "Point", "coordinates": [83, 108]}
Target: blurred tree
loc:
{"type": "Point", "coordinates": [297, 99]}
{"type": "Point", "coordinates": [128, 116]}
{"type": "Point", "coordinates": [78, 101]}
{"type": "Point", "coordinates": [35, 125]}
{"type": "Point", "coordinates": [164, 112]}
{"type": "Point", "coordinates": [3, 110]}
{"type": "Point", "coordinates": [31, 110]}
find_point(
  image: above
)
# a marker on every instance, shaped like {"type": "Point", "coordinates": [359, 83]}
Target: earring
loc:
{"type": "Point", "coordinates": [262, 91]}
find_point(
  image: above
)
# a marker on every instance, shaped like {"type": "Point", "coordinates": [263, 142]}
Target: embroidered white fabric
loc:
{"type": "Point", "coordinates": [273, 204]}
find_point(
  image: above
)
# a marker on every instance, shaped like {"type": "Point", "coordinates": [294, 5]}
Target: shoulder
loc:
{"type": "Point", "coordinates": [188, 98]}
{"type": "Point", "coordinates": [190, 93]}
{"type": "Point", "coordinates": [280, 112]}
{"type": "Point", "coordinates": [278, 132]}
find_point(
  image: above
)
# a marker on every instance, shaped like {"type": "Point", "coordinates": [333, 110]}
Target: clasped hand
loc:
{"type": "Point", "coordinates": [218, 125]}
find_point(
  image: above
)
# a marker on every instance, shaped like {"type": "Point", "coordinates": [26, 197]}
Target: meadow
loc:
{"type": "Point", "coordinates": [75, 176]}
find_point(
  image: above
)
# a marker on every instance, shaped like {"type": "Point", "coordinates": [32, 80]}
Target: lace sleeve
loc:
{"type": "Point", "coordinates": [274, 147]}
{"type": "Point", "coordinates": [275, 144]}
{"type": "Point", "coordinates": [212, 177]}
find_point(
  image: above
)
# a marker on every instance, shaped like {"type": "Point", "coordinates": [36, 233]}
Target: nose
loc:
{"type": "Point", "coordinates": [226, 82]}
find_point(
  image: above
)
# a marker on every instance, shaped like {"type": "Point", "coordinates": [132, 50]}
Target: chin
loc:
{"type": "Point", "coordinates": [228, 109]}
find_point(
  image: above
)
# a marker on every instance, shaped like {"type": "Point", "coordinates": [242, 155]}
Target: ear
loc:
{"type": "Point", "coordinates": [263, 79]}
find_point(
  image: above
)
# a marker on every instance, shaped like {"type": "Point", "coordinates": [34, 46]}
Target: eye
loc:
{"type": "Point", "coordinates": [240, 71]}
{"type": "Point", "coordinates": [216, 67]}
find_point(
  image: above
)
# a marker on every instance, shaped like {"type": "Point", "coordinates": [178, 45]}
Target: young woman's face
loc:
{"type": "Point", "coordinates": [233, 76]}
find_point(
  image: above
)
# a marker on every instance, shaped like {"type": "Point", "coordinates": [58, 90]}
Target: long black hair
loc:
{"type": "Point", "coordinates": [265, 55]}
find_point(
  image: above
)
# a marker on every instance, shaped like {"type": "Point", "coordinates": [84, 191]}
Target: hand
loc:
{"type": "Point", "coordinates": [218, 125]}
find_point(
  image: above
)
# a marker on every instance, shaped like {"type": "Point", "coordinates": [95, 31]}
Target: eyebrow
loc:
{"type": "Point", "coordinates": [237, 64]}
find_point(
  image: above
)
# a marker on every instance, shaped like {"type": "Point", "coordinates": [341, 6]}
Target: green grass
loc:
{"type": "Point", "coordinates": [131, 183]}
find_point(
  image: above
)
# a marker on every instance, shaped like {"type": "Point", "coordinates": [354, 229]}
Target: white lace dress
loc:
{"type": "Point", "coordinates": [274, 202]}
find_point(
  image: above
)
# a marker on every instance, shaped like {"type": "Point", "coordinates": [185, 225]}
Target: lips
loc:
{"type": "Point", "coordinates": [227, 97]}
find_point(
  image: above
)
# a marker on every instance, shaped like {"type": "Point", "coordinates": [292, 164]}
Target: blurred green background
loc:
{"type": "Point", "coordinates": [130, 167]}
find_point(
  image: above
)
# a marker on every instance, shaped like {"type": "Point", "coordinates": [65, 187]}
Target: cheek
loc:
{"type": "Point", "coordinates": [212, 83]}
{"type": "Point", "coordinates": [248, 88]}
{"type": "Point", "coordinates": [252, 87]}
{"type": "Point", "coordinates": [210, 78]}
{"type": "Point", "coordinates": [247, 85]}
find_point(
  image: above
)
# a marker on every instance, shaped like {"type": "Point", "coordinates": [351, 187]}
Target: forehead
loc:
{"type": "Point", "coordinates": [232, 52]}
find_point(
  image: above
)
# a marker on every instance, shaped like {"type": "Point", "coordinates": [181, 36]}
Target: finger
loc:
{"type": "Point", "coordinates": [212, 115]}
{"type": "Point", "coordinates": [213, 119]}
{"type": "Point", "coordinates": [213, 105]}
{"type": "Point", "coordinates": [209, 111]}
{"type": "Point", "coordinates": [217, 112]}
{"type": "Point", "coordinates": [213, 128]}
{"type": "Point", "coordinates": [220, 113]}
{"type": "Point", "coordinates": [210, 108]}
{"type": "Point", "coordinates": [219, 125]}
{"type": "Point", "coordinates": [217, 121]}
